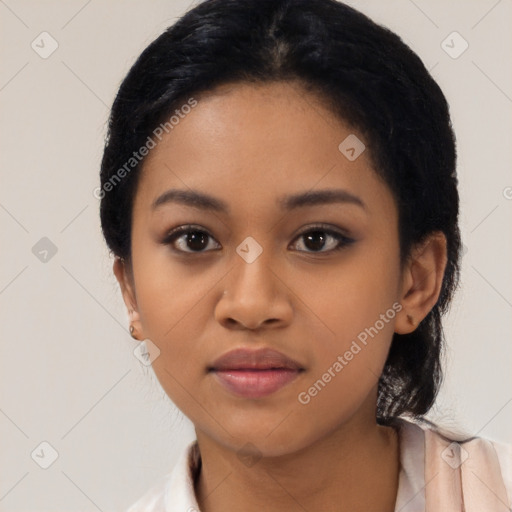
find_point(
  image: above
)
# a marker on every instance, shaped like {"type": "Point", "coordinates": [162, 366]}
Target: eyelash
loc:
{"type": "Point", "coordinates": [343, 241]}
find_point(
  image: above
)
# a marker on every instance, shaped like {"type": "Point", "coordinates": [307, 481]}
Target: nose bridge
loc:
{"type": "Point", "coordinates": [252, 291]}
{"type": "Point", "coordinates": [253, 270]}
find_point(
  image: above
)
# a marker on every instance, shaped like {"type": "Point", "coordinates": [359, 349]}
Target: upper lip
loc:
{"type": "Point", "coordinates": [247, 359]}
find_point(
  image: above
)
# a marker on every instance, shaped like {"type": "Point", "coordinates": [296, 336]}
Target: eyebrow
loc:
{"type": "Point", "coordinates": [204, 201]}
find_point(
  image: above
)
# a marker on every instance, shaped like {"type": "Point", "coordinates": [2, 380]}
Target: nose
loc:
{"type": "Point", "coordinates": [254, 297]}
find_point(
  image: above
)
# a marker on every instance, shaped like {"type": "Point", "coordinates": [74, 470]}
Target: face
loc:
{"type": "Point", "coordinates": [318, 280]}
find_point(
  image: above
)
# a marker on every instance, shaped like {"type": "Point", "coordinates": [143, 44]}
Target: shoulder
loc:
{"type": "Point", "coordinates": [175, 490]}
{"type": "Point", "coordinates": [478, 468]}
{"type": "Point", "coordinates": [504, 454]}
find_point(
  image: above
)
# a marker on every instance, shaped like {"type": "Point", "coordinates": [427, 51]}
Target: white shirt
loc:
{"type": "Point", "coordinates": [175, 491]}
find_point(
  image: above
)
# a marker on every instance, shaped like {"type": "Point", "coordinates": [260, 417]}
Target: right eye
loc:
{"type": "Point", "coordinates": [189, 239]}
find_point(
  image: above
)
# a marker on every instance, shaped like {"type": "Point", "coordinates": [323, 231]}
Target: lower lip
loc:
{"type": "Point", "coordinates": [255, 383]}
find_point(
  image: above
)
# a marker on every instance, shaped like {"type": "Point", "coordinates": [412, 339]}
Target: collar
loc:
{"type": "Point", "coordinates": [179, 493]}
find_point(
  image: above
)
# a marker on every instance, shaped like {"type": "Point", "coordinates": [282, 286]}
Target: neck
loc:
{"type": "Point", "coordinates": [355, 468]}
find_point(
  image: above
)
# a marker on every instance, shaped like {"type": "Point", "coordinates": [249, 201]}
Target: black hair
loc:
{"type": "Point", "coordinates": [367, 76]}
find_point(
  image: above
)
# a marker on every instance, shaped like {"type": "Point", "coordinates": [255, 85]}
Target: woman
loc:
{"type": "Point", "coordinates": [278, 188]}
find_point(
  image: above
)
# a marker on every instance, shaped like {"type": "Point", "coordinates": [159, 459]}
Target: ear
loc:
{"type": "Point", "coordinates": [422, 278]}
{"type": "Point", "coordinates": [124, 275]}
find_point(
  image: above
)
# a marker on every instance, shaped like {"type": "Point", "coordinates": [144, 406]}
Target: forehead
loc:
{"type": "Point", "coordinates": [251, 144]}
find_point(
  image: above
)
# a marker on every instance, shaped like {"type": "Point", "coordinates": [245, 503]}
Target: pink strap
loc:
{"type": "Point", "coordinates": [463, 477]}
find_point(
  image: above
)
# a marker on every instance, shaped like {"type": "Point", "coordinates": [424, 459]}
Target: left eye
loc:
{"type": "Point", "coordinates": [323, 240]}
{"type": "Point", "coordinates": [188, 239]}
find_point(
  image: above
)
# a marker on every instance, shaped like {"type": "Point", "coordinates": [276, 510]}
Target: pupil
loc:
{"type": "Point", "coordinates": [197, 240]}
{"type": "Point", "coordinates": [317, 239]}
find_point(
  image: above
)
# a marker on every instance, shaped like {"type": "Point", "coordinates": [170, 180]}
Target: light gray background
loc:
{"type": "Point", "coordinates": [68, 373]}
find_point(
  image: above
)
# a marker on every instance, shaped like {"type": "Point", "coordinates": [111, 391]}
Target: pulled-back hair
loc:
{"type": "Point", "coordinates": [367, 76]}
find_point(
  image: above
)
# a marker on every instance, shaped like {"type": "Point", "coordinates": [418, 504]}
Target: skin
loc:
{"type": "Point", "coordinates": [248, 145]}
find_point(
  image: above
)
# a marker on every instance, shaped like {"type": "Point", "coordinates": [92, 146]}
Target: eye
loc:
{"type": "Point", "coordinates": [195, 239]}
{"type": "Point", "coordinates": [320, 239]}
{"type": "Point", "coordinates": [191, 239]}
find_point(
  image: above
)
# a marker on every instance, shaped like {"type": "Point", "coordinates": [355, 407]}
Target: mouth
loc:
{"type": "Point", "coordinates": [255, 373]}
{"type": "Point", "coordinates": [253, 383]}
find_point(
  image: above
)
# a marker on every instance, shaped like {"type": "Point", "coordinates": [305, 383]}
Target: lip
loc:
{"type": "Point", "coordinates": [254, 373]}
{"type": "Point", "coordinates": [260, 359]}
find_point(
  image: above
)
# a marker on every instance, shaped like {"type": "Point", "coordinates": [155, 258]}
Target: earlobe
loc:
{"type": "Point", "coordinates": [421, 282]}
{"type": "Point", "coordinates": [125, 279]}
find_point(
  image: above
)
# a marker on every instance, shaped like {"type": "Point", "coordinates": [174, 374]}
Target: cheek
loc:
{"type": "Point", "coordinates": [174, 303]}
{"type": "Point", "coordinates": [169, 291]}
{"type": "Point", "coordinates": [346, 298]}
{"type": "Point", "coordinates": [351, 314]}
{"type": "Point", "coordinates": [349, 360]}
{"type": "Point", "coordinates": [174, 312]}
